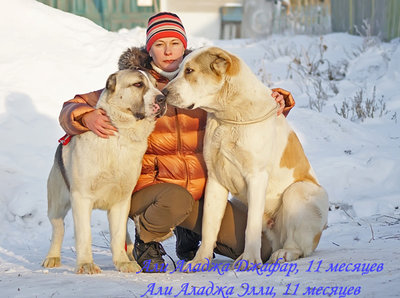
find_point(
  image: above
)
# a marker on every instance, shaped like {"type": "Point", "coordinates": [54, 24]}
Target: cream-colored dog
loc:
{"type": "Point", "coordinates": [98, 173]}
{"type": "Point", "coordinates": [253, 154]}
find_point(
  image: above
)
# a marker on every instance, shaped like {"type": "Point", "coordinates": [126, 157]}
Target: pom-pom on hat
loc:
{"type": "Point", "coordinates": [164, 24]}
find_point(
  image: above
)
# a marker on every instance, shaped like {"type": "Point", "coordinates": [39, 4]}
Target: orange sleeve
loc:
{"type": "Point", "coordinates": [73, 110]}
{"type": "Point", "coordinates": [289, 100]}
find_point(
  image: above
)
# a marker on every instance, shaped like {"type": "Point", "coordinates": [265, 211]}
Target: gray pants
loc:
{"type": "Point", "coordinates": [161, 207]}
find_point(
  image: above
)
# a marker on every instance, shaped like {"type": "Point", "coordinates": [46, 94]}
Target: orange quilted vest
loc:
{"type": "Point", "coordinates": [175, 152]}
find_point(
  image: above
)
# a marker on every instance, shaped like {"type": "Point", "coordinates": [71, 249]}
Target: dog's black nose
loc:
{"type": "Point", "coordinates": [160, 98]}
{"type": "Point", "coordinates": [165, 91]}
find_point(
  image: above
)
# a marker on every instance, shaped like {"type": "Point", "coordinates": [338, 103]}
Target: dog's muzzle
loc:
{"type": "Point", "coordinates": [161, 104]}
{"type": "Point", "coordinates": [171, 99]}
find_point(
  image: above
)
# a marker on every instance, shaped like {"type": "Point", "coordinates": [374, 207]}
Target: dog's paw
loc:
{"type": "Point", "coordinates": [51, 262]}
{"type": "Point", "coordinates": [246, 262]}
{"type": "Point", "coordinates": [284, 255]}
{"type": "Point", "coordinates": [88, 268]}
{"type": "Point", "coordinates": [128, 267]}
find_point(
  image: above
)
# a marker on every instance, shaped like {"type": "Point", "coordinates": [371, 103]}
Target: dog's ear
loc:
{"type": "Point", "coordinates": [224, 63]}
{"type": "Point", "coordinates": [111, 82]}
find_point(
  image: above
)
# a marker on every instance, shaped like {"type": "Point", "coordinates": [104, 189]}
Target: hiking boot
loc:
{"type": "Point", "coordinates": [187, 243]}
{"type": "Point", "coordinates": [149, 256]}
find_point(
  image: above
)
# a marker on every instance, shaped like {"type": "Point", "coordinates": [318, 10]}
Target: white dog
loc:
{"type": "Point", "coordinates": [253, 154]}
{"type": "Point", "coordinates": [97, 173]}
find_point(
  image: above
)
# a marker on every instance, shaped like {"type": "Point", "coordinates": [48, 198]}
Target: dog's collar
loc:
{"type": "Point", "coordinates": [265, 117]}
{"type": "Point", "coordinates": [65, 139]}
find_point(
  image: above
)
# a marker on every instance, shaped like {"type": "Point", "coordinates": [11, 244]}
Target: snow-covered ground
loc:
{"type": "Point", "coordinates": [47, 56]}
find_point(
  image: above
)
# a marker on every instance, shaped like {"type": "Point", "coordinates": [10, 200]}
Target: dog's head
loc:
{"type": "Point", "coordinates": [204, 75]}
{"type": "Point", "coordinates": [134, 91]}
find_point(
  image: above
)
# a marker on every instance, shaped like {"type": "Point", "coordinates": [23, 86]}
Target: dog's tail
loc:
{"type": "Point", "coordinates": [60, 162]}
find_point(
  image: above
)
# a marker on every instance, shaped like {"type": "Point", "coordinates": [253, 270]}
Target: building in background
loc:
{"type": "Point", "coordinates": [110, 14]}
{"type": "Point", "coordinates": [215, 19]}
{"type": "Point", "coordinates": [201, 18]}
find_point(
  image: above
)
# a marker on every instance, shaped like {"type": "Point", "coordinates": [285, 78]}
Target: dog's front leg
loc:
{"type": "Point", "coordinates": [256, 195]}
{"type": "Point", "coordinates": [81, 211]}
{"type": "Point", "coordinates": [215, 200]}
{"type": "Point", "coordinates": [117, 219]}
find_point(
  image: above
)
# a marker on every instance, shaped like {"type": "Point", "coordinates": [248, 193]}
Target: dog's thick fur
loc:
{"type": "Point", "coordinates": [101, 173]}
{"type": "Point", "coordinates": [253, 154]}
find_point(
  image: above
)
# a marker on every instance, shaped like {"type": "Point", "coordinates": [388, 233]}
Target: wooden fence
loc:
{"type": "Point", "coordinates": [110, 14]}
{"type": "Point", "coordinates": [264, 17]}
{"type": "Point", "coordinates": [382, 17]}
{"type": "Point", "coordinates": [309, 16]}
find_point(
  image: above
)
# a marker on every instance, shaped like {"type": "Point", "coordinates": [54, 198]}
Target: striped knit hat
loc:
{"type": "Point", "coordinates": [164, 24]}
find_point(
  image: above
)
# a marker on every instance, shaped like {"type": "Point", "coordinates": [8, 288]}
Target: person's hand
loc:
{"type": "Point", "coordinates": [98, 122]}
{"type": "Point", "coordinates": [280, 100]}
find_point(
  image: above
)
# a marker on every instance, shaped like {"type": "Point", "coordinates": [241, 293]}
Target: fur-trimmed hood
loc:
{"type": "Point", "coordinates": [134, 57]}
{"type": "Point", "coordinates": [137, 57]}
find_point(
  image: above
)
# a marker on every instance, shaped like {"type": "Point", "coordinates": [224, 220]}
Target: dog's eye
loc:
{"type": "Point", "coordinates": [189, 70]}
{"type": "Point", "coordinates": [138, 84]}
